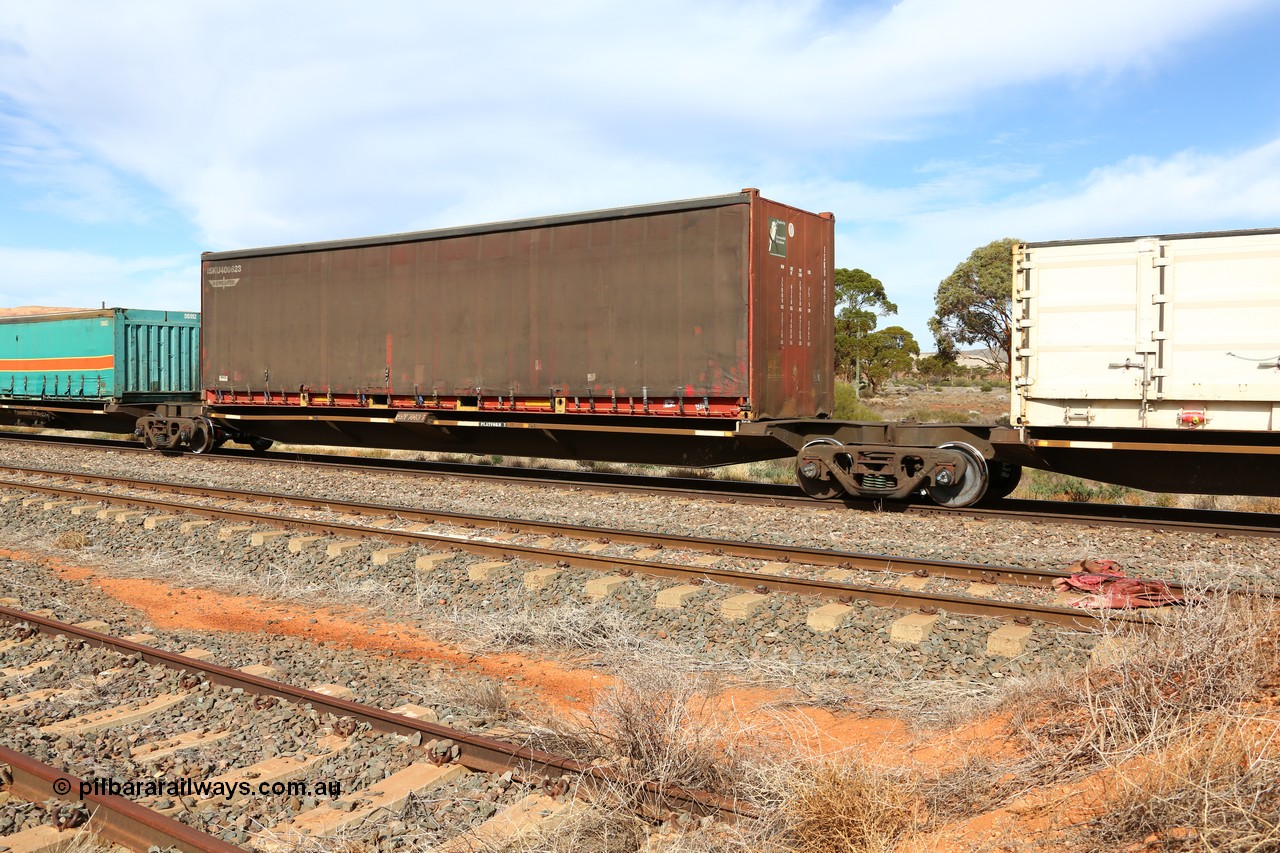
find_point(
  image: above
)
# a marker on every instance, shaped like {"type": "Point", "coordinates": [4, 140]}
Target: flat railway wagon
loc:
{"type": "Point", "coordinates": [700, 333]}
{"type": "Point", "coordinates": [639, 334]}
{"type": "Point", "coordinates": [1151, 362]}
{"type": "Point", "coordinates": [96, 370]}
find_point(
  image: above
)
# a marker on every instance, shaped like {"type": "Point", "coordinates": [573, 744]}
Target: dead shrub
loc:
{"type": "Point", "coordinates": [842, 808]}
{"type": "Point", "coordinates": [653, 731]}
{"type": "Point", "coordinates": [574, 627]}
{"type": "Point", "coordinates": [72, 540]}
{"type": "Point", "coordinates": [973, 786]}
{"type": "Point", "coordinates": [1209, 656]}
{"type": "Point", "coordinates": [1217, 789]}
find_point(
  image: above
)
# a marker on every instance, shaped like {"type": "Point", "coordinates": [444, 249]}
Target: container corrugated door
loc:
{"type": "Point", "coordinates": [792, 312]}
{"type": "Point", "coordinates": [1221, 332]}
{"type": "Point", "coordinates": [1084, 310]}
{"type": "Point", "coordinates": [129, 345]}
{"type": "Point", "coordinates": [159, 353]}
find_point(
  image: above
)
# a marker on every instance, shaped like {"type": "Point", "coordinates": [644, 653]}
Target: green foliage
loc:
{"type": "Point", "coordinates": [858, 290]}
{"type": "Point", "coordinates": [935, 368]}
{"type": "Point", "coordinates": [975, 303]}
{"type": "Point", "coordinates": [773, 471]}
{"type": "Point", "coordinates": [887, 352]}
{"type": "Point", "coordinates": [987, 386]}
{"type": "Point", "coordinates": [850, 408]}
{"type": "Point", "coordinates": [860, 298]}
{"type": "Point", "coordinates": [1049, 485]}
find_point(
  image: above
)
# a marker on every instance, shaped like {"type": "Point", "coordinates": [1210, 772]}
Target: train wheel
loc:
{"type": "Point", "coordinates": [147, 441]}
{"type": "Point", "coordinates": [1004, 479]}
{"type": "Point", "coordinates": [202, 436]}
{"type": "Point", "coordinates": [815, 481]}
{"type": "Point", "coordinates": [260, 444]}
{"type": "Point", "coordinates": [971, 487]}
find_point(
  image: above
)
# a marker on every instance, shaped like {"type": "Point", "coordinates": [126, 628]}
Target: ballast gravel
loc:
{"type": "Point", "coordinates": [772, 645]}
{"type": "Point", "coordinates": [386, 682]}
{"type": "Point", "coordinates": [501, 612]}
{"type": "Point", "coordinates": [83, 680]}
{"type": "Point", "coordinates": [1171, 556]}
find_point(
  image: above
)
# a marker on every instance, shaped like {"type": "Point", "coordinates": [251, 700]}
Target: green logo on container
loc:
{"type": "Point", "coordinates": [778, 237]}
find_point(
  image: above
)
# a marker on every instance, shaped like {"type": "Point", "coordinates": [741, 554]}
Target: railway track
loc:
{"type": "Point", "coordinates": [476, 549]}
{"type": "Point", "coordinates": [157, 719]}
{"type": "Point", "coordinates": [1021, 595]}
{"type": "Point", "coordinates": [110, 819]}
{"type": "Point", "coordinates": [1212, 522]}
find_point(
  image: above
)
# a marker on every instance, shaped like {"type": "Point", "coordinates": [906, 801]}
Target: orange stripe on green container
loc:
{"type": "Point", "coordinates": [94, 362]}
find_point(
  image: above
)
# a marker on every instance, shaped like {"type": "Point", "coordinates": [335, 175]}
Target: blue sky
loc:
{"type": "Point", "coordinates": [134, 135]}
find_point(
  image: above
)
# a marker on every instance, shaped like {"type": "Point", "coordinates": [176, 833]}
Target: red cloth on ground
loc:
{"type": "Point", "coordinates": [1109, 588]}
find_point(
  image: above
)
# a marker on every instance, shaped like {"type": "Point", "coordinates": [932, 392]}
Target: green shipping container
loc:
{"type": "Point", "coordinates": [116, 354]}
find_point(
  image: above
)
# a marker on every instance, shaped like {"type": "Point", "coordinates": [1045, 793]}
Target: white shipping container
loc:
{"type": "Point", "coordinates": [1168, 332]}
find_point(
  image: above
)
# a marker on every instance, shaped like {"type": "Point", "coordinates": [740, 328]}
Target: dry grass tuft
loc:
{"type": "Point", "coordinates": [1213, 655]}
{"type": "Point", "coordinates": [658, 731]}
{"type": "Point", "coordinates": [1172, 714]}
{"type": "Point", "coordinates": [490, 697]}
{"type": "Point", "coordinates": [650, 730]}
{"type": "Point", "coordinates": [848, 807]}
{"type": "Point", "coordinates": [975, 785]}
{"type": "Point", "coordinates": [72, 540]}
{"type": "Point", "coordinates": [586, 829]}
{"type": "Point", "coordinates": [350, 840]}
{"type": "Point", "coordinates": [1217, 789]}
{"type": "Point", "coordinates": [664, 734]}
{"type": "Point", "coordinates": [934, 703]}
{"type": "Point", "coordinates": [574, 627]}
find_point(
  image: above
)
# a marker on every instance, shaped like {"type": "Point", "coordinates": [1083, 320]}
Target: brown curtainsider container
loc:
{"type": "Point", "coordinates": [716, 307]}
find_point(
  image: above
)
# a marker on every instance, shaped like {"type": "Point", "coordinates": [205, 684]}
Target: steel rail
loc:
{"type": "Point", "coordinates": [477, 752]}
{"type": "Point", "coordinates": [1211, 522]}
{"type": "Point", "coordinates": [883, 596]}
{"type": "Point", "coordinates": [116, 819]}
{"type": "Point", "coordinates": [750, 550]}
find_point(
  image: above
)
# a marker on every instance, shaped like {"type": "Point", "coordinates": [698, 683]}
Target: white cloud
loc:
{"type": "Point", "coordinates": [288, 121]}
{"type": "Point", "coordinates": [1187, 192]}
{"type": "Point", "coordinates": [63, 180]}
{"type": "Point", "coordinates": [913, 238]}
{"type": "Point", "coordinates": [300, 120]}
{"type": "Point", "coordinates": [86, 280]}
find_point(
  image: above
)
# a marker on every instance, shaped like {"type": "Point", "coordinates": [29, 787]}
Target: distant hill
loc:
{"type": "Point", "coordinates": [970, 357]}
{"type": "Point", "coordinates": [29, 310]}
